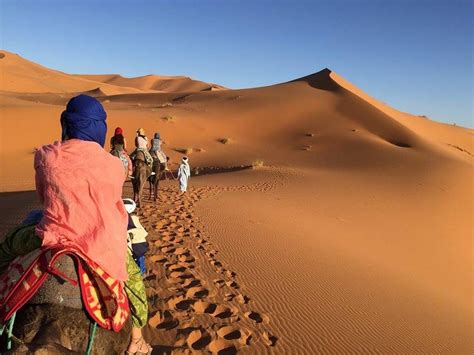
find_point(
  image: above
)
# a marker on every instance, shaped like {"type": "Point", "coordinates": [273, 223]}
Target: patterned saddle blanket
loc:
{"type": "Point", "coordinates": [103, 297]}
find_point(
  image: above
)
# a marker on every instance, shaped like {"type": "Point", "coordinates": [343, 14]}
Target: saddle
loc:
{"type": "Point", "coordinates": [146, 154]}
{"type": "Point", "coordinates": [122, 155]}
{"type": "Point", "coordinates": [103, 297]}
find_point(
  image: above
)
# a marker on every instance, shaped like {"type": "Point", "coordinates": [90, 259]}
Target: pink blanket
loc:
{"type": "Point", "coordinates": [80, 185]}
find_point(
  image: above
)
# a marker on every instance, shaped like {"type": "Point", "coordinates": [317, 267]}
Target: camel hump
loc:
{"type": "Point", "coordinates": [55, 290]}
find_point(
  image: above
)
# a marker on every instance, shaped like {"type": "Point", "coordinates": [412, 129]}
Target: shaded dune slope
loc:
{"type": "Point", "coordinates": [363, 113]}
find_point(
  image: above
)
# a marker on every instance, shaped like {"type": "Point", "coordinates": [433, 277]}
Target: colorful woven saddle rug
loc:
{"type": "Point", "coordinates": [103, 297]}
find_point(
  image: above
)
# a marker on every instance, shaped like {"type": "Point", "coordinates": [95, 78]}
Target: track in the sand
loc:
{"type": "Point", "coordinates": [195, 301]}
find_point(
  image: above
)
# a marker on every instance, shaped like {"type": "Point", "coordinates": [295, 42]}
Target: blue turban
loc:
{"type": "Point", "coordinates": [84, 119]}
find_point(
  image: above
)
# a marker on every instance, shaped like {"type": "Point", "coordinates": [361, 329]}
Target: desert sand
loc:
{"type": "Point", "coordinates": [352, 233]}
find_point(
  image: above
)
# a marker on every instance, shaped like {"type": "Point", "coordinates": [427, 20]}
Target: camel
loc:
{"type": "Point", "coordinates": [141, 172]}
{"type": "Point", "coordinates": [155, 179]}
{"type": "Point", "coordinates": [54, 322]}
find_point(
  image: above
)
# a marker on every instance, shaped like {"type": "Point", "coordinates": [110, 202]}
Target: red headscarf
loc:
{"type": "Point", "coordinates": [118, 130]}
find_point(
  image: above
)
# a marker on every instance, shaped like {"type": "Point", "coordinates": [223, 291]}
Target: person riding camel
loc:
{"type": "Point", "coordinates": [118, 140]}
{"type": "Point", "coordinates": [155, 143]}
{"type": "Point", "coordinates": [141, 144]}
{"type": "Point", "coordinates": [157, 153]}
{"type": "Point", "coordinates": [80, 187]}
{"type": "Point", "coordinates": [141, 141]}
{"type": "Point", "coordinates": [117, 143]}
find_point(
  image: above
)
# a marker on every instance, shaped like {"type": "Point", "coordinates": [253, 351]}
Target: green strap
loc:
{"type": "Point", "coordinates": [11, 322]}
{"type": "Point", "coordinates": [90, 344]}
{"type": "Point", "coordinates": [9, 328]}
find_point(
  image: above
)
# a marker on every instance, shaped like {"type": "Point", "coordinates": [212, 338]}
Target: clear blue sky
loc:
{"type": "Point", "coordinates": [415, 55]}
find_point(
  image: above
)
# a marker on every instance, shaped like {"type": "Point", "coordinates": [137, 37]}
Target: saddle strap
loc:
{"type": "Point", "coordinates": [107, 303]}
{"type": "Point", "coordinates": [54, 271]}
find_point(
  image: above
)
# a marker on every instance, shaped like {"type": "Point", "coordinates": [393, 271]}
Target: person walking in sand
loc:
{"type": "Point", "coordinates": [80, 187]}
{"type": "Point", "coordinates": [184, 173]}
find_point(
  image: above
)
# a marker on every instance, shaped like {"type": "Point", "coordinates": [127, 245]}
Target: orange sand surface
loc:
{"type": "Point", "coordinates": [354, 236]}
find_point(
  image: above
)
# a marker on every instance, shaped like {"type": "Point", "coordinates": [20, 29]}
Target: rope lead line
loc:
{"type": "Point", "coordinates": [10, 324]}
{"type": "Point", "coordinates": [90, 344]}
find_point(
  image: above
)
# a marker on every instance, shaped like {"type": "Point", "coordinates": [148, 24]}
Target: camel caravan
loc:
{"type": "Point", "coordinates": [149, 162]}
{"type": "Point", "coordinates": [71, 273]}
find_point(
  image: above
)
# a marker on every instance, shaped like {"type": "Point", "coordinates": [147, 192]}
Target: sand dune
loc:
{"type": "Point", "coordinates": [155, 82]}
{"type": "Point", "coordinates": [23, 76]}
{"type": "Point", "coordinates": [354, 237]}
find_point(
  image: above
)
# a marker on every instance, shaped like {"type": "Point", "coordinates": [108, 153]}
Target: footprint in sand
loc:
{"type": "Point", "coordinates": [219, 283]}
{"type": "Point", "coordinates": [256, 317]}
{"type": "Point", "coordinates": [229, 274]}
{"type": "Point", "coordinates": [222, 311]}
{"type": "Point", "coordinates": [268, 339]}
{"type": "Point", "coordinates": [215, 263]}
{"type": "Point", "coordinates": [180, 342]}
{"type": "Point", "coordinates": [165, 233]}
{"type": "Point", "coordinates": [181, 251]}
{"type": "Point", "coordinates": [235, 333]}
{"type": "Point", "coordinates": [186, 258]}
{"type": "Point", "coordinates": [168, 238]}
{"type": "Point", "coordinates": [160, 258]}
{"type": "Point", "coordinates": [232, 284]}
{"type": "Point", "coordinates": [197, 292]}
{"type": "Point", "coordinates": [163, 320]}
{"type": "Point", "coordinates": [151, 293]}
{"type": "Point", "coordinates": [191, 283]}
{"type": "Point", "coordinates": [211, 253]}
{"type": "Point", "coordinates": [221, 346]}
{"type": "Point", "coordinates": [203, 307]}
{"type": "Point", "coordinates": [177, 267]}
{"type": "Point", "coordinates": [202, 241]}
{"type": "Point", "coordinates": [160, 243]}
{"type": "Point", "coordinates": [180, 303]}
{"type": "Point", "coordinates": [198, 339]}
{"type": "Point", "coordinates": [158, 225]}
{"type": "Point", "coordinates": [178, 241]}
{"type": "Point", "coordinates": [242, 299]}
{"type": "Point", "coordinates": [149, 278]}
{"type": "Point", "coordinates": [188, 265]}
{"type": "Point", "coordinates": [168, 250]}
{"type": "Point", "coordinates": [180, 275]}
{"type": "Point", "coordinates": [229, 296]}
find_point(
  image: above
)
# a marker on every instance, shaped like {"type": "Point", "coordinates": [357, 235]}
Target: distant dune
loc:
{"type": "Point", "coordinates": [21, 75]}
{"type": "Point", "coordinates": [354, 237]}
{"type": "Point", "coordinates": [155, 82]}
